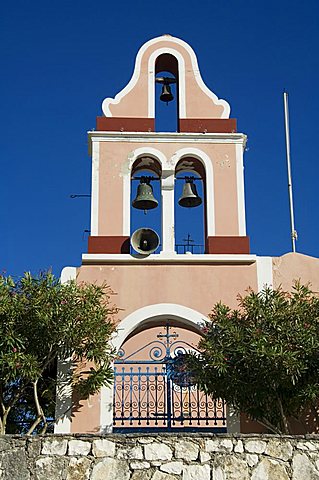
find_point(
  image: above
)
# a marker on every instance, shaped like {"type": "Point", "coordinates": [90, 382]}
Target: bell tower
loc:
{"type": "Point", "coordinates": [163, 291]}
{"type": "Point", "coordinates": [206, 143]}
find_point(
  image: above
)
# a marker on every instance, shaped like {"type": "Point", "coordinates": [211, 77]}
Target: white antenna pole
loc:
{"type": "Point", "coordinates": [291, 204]}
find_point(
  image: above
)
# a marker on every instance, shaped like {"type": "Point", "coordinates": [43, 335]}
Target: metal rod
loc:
{"type": "Point", "coordinates": [79, 195]}
{"type": "Point", "coordinates": [156, 178]}
{"type": "Point", "coordinates": [291, 204]}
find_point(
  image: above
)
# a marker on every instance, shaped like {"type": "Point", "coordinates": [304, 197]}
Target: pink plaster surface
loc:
{"type": "Point", "coordinates": [114, 163]}
{"type": "Point", "coordinates": [295, 266]}
{"type": "Point", "coordinates": [195, 286]}
{"type": "Point", "coordinates": [135, 102]}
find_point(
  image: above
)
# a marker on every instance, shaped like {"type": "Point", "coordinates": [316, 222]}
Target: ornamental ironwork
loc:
{"type": "Point", "coordinates": [158, 393]}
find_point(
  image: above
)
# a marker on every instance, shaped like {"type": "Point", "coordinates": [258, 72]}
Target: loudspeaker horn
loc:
{"type": "Point", "coordinates": [145, 241]}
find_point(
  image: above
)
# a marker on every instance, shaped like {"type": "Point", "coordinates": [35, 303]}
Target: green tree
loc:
{"type": "Point", "coordinates": [263, 358]}
{"type": "Point", "coordinates": [41, 320]}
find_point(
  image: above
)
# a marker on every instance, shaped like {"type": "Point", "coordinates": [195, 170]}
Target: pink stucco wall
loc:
{"type": "Point", "coordinates": [295, 266]}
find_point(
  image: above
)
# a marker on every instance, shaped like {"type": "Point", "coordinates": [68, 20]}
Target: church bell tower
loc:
{"type": "Point", "coordinates": [165, 292]}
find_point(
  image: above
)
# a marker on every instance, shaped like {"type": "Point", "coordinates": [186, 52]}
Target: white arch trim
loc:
{"type": "Point", "coordinates": [134, 155]}
{"type": "Point", "coordinates": [208, 165]}
{"type": "Point", "coordinates": [137, 70]}
{"type": "Point", "coordinates": [158, 311]}
{"type": "Point", "coordinates": [181, 80]}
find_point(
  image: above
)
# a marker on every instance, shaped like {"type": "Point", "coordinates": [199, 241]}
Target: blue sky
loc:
{"type": "Point", "coordinates": [61, 59]}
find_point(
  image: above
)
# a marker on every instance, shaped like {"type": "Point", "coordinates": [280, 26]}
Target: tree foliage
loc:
{"type": "Point", "coordinates": [41, 320]}
{"type": "Point", "coordinates": [263, 358]}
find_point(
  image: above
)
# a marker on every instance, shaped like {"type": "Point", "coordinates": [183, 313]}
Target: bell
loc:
{"type": "Point", "coordinates": [166, 95]}
{"type": "Point", "coordinates": [145, 199]}
{"type": "Point", "coordinates": [190, 197]}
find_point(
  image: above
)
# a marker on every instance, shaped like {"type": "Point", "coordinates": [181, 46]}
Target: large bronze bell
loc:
{"type": "Point", "coordinates": [166, 95]}
{"type": "Point", "coordinates": [190, 197]}
{"type": "Point", "coordinates": [145, 199]}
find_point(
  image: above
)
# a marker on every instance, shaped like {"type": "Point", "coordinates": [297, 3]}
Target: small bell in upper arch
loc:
{"type": "Point", "coordinates": [190, 197]}
{"type": "Point", "coordinates": [166, 95]}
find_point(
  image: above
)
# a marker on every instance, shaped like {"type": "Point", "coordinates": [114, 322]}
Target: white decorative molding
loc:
{"type": "Point", "coordinates": [137, 70]}
{"type": "Point", "coordinates": [168, 212]}
{"type": "Point", "coordinates": [64, 385]}
{"type": "Point", "coordinates": [208, 165]}
{"type": "Point", "coordinates": [159, 311]}
{"type": "Point", "coordinates": [240, 191]}
{"type": "Point", "coordinates": [167, 137]}
{"type": "Point", "coordinates": [174, 258]}
{"type": "Point", "coordinates": [95, 188]}
{"type": "Point", "coordinates": [264, 272]}
{"type": "Point", "coordinates": [181, 81]}
{"type": "Point", "coordinates": [67, 274]}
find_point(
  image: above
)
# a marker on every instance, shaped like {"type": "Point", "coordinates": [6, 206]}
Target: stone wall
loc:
{"type": "Point", "coordinates": [159, 457]}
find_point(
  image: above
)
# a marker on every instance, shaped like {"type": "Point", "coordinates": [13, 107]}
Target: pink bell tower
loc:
{"type": "Point", "coordinates": [165, 295]}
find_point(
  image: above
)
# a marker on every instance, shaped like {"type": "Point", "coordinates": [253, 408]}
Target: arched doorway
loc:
{"type": "Point", "coordinates": [149, 395]}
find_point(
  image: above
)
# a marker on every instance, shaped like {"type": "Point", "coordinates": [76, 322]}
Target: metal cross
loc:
{"type": "Point", "coordinates": [168, 336]}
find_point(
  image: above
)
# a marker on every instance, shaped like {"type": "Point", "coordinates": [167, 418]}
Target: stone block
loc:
{"type": "Point", "coordinates": [13, 465]}
{"type": "Point", "coordinates": [204, 457]}
{"type": "Point", "coordinates": [142, 475]}
{"type": "Point", "coordinates": [157, 451]}
{"type": "Point", "coordinates": [269, 469]}
{"type": "Point", "coordinates": [252, 459]}
{"type": "Point", "coordinates": [5, 444]}
{"type": "Point", "coordinates": [216, 445]}
{"type": "Point", "coordinates": [308, 446]}
{"type": "Point", "coordinates": [145, 440]}
{"type": "Point", "coordinates": [49, 468]}
{"type": "Point", "coordinates": [196, 472]}
{"type": "Point", "coordinates": [186, 450]}
{"type": "Point", "coordinates": [303, 469]}
{"type": "Point", "coordinates": [140, 465]}
{"type": "Point", "coordinates": [279, 449]}
{"type": "Point", "coordinates": [234, 468]}
{"type": "Point", "coordinates": [54, 446]}
{"type": "Point", "coordinates": [79, 447]}
{"type": "Point", "coordinates": [79, 469]}
{"type": "Point", "coordinates": [255, 446]}
{"type": "Point", "coordinates": [103, 448]}
{"type": "Point", "coordinates": [111, 469]}
{"type": "Point", "coordinates": [163, 476]}
{"type": "Point", "coordinates": [172, 467]}
{"type": "Point", "coordinates": [218, 474]}
{"type": "Point", "coordinates": [239, 447]}
{"type": "Point", "coordinates": [33, 447]}
{"type": "Point", "coordinates": [131, 453]}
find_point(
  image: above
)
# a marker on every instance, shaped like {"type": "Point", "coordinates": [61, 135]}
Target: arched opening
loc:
{"type": "Point", "coordinates": [149, 395]}
{"type": "Point", "coordinates": [146, 204]}
{"type": "Point", "coordinates": [190, 206]}
{"type": "Point", "coordinates": [166, 112]}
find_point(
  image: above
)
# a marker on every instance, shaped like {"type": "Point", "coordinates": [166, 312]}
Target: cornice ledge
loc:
{"type": "Point", "coordinates": [166, 136]}
{"type": "Point", "coordinates": [122, 259]}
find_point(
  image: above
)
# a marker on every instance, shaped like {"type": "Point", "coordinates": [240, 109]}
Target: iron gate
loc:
{"type": "Point", "coordinates": [148, 397]}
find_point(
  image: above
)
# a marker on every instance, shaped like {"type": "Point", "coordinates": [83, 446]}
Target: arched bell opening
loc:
{"type": "Point", "coordinates": [146, 205]}
{"type": "Point", "coordinates": [190, 206]}
{"type": "Point", "coordinates": [166, 94]}
{"type": "Point", "coordinates": [152, 390]}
